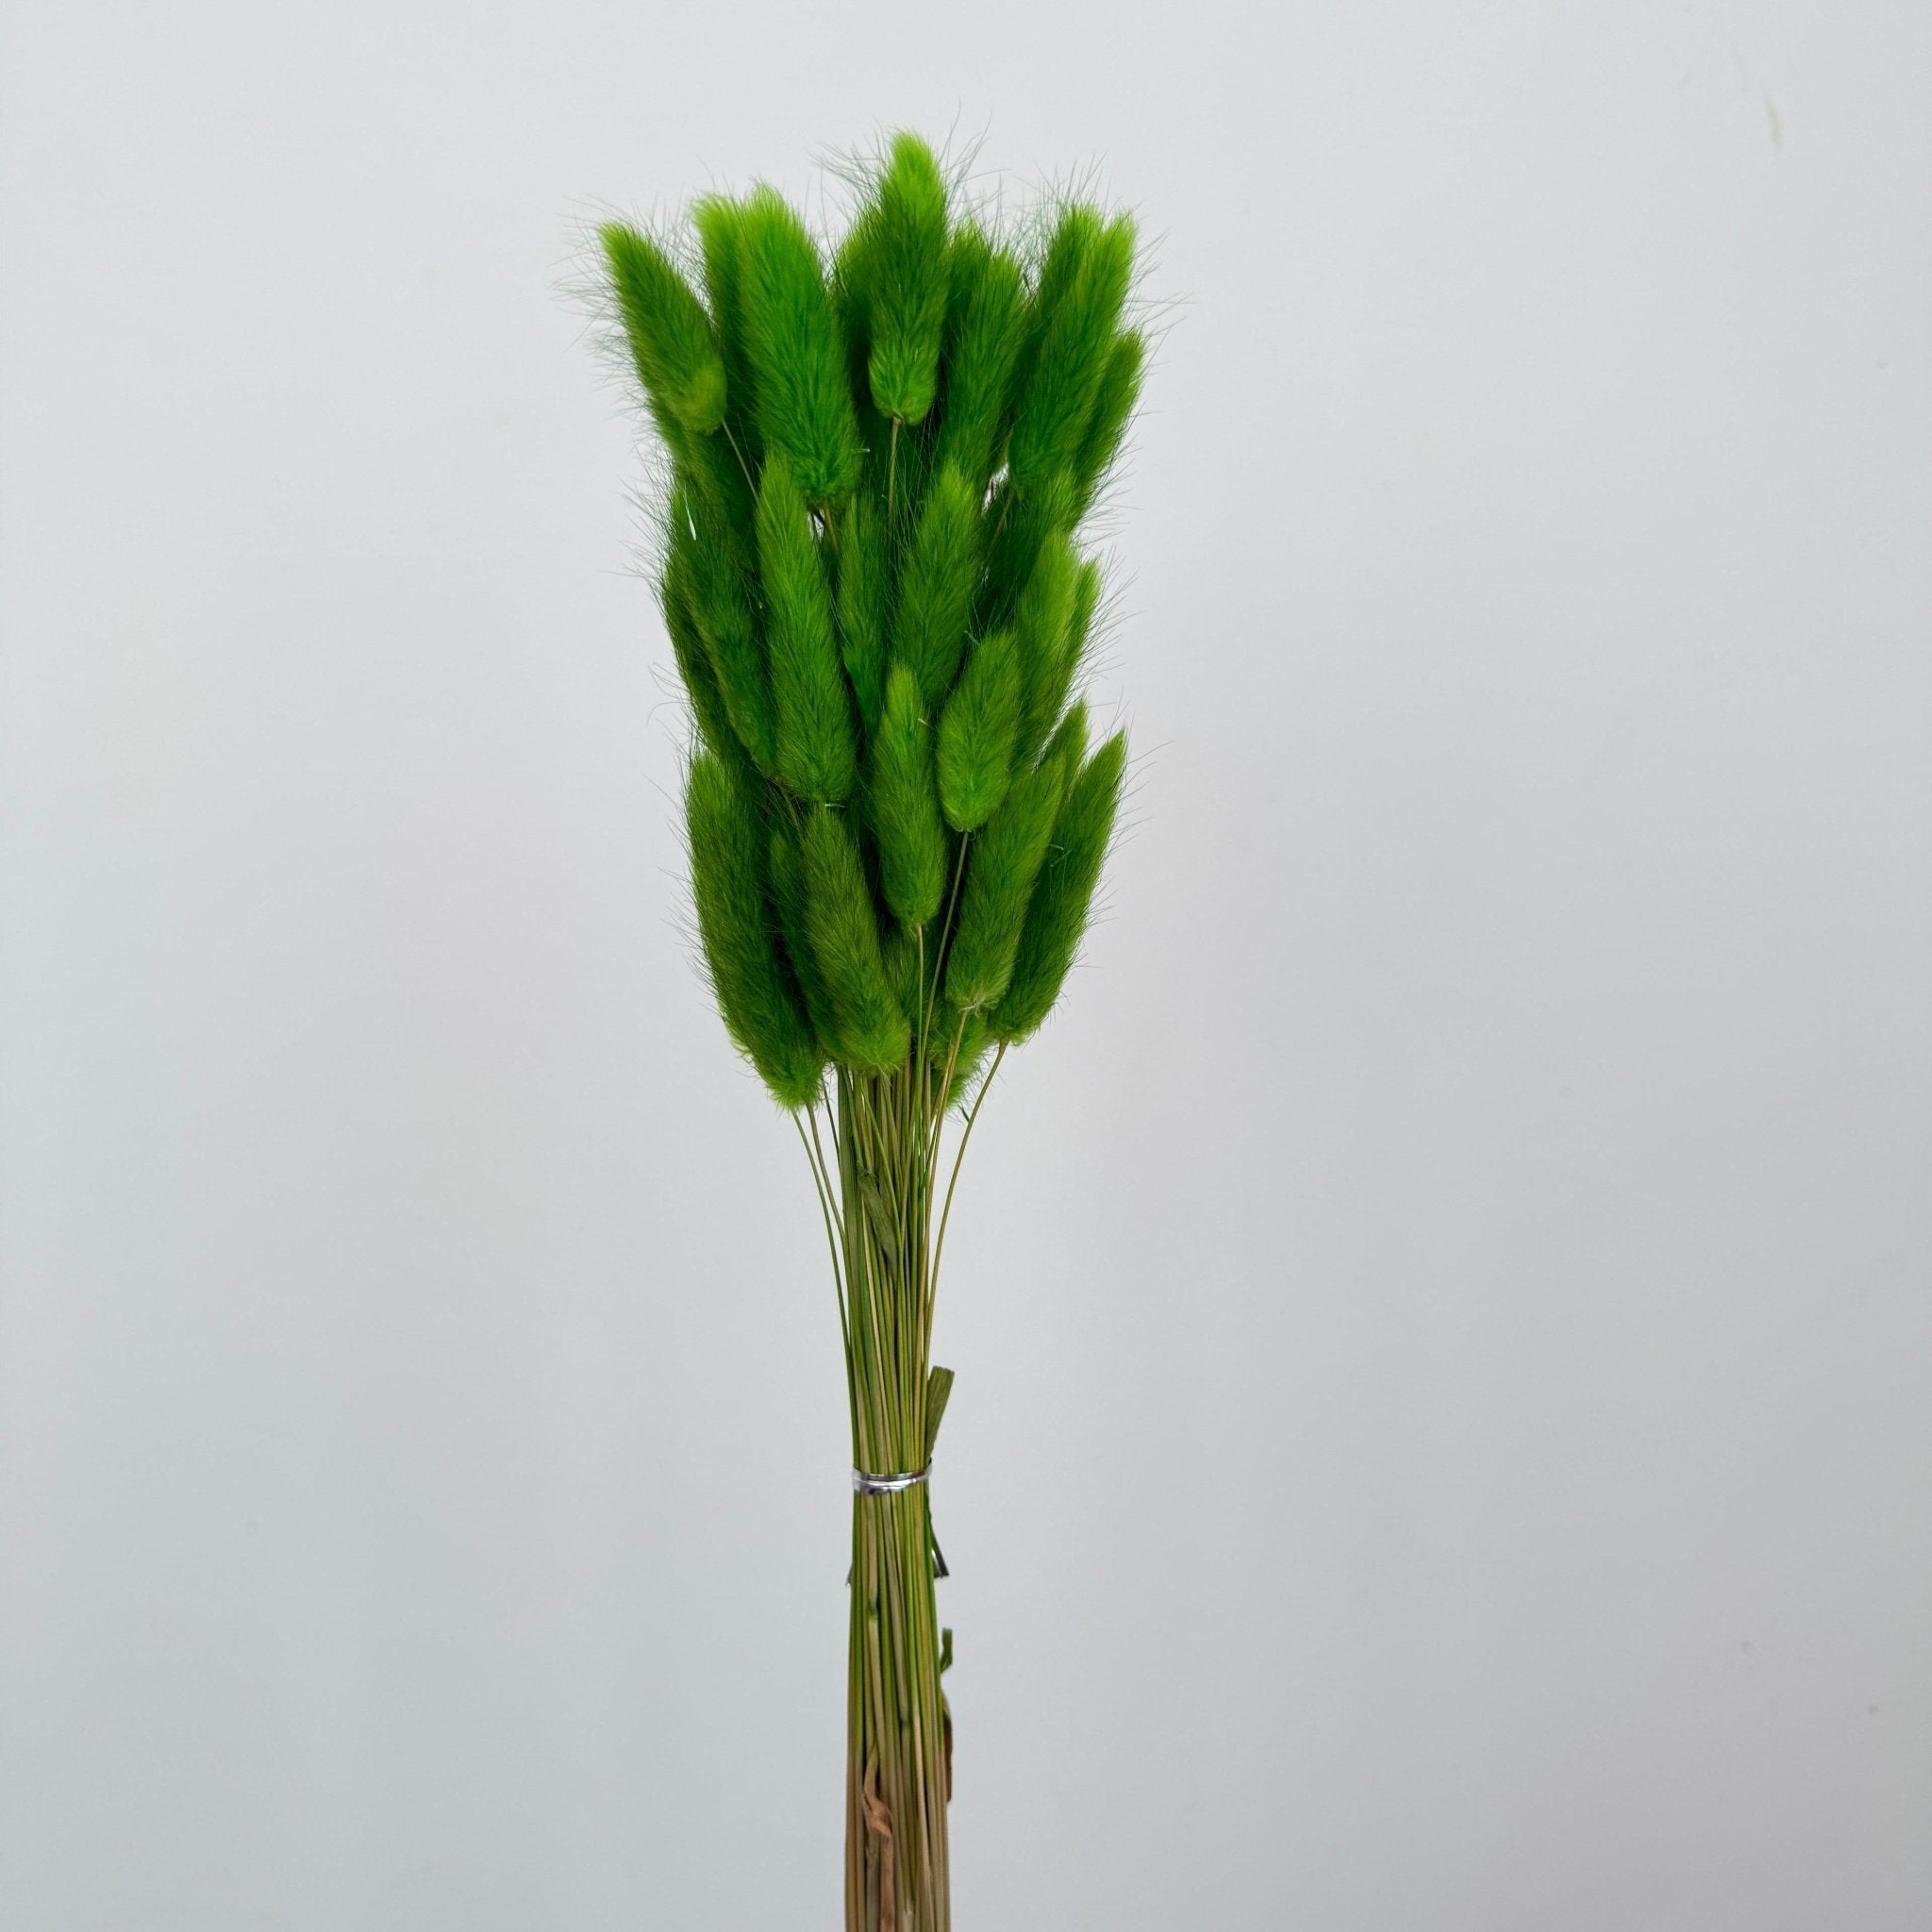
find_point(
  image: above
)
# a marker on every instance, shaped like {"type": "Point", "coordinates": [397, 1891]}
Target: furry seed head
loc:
{"type": "Point", "coordinates": [877, 606]}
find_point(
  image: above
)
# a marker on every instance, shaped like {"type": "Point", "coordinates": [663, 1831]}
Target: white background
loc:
{"type": "Point", "coordinates": [1445, 1425]}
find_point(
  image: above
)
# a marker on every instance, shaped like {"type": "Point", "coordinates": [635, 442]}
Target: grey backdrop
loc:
{"type": "Point", "coordinates": [1444, 1416]}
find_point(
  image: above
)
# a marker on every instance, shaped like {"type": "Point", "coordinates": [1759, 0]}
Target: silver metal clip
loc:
{"type": "Point", "coordinates": [865, 1484]}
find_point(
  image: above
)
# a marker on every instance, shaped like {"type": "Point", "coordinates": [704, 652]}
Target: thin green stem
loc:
{"type": "Point", "coordinates": [817, 1182]}
{"type": "Point", "coordinates": [945, 934]}
{"type": "Point", "coordinates": [750, 482]}
{"type": "Point", "coordinates": [816, 1154]}
{"type": "Point", "coordinates": [959, 1156]}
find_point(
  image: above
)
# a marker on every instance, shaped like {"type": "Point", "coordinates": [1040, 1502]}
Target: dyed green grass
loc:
{"type": "Point", "coordinates": [880, 457]}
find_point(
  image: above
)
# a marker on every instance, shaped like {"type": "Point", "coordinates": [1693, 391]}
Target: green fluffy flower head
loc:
{"type": "Point", "coordinates": [881, 455]}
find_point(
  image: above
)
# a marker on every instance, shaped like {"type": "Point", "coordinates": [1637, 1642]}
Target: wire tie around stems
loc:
{"type": "Point", "coordinates": [865, 1484]}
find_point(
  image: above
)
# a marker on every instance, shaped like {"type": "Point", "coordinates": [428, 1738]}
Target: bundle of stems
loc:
{"type": "Point", "coordinates": [879, 458]}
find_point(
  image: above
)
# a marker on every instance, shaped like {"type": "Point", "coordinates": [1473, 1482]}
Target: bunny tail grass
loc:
{"type": "Point", "coordinates": [727, 882]}
{"type": "Point", "coordinates": [1062, 896]}
{"type": "Point", "coordinates": [879, 449]}
{"type": "Point", "coordinates": [670, 334]}
{"type": "Point", "coordinates": [817, 755]}
{"type": "Point", "coordinates": [906, 306]}
{"type": "Point", "coordinates": [905, 808]}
